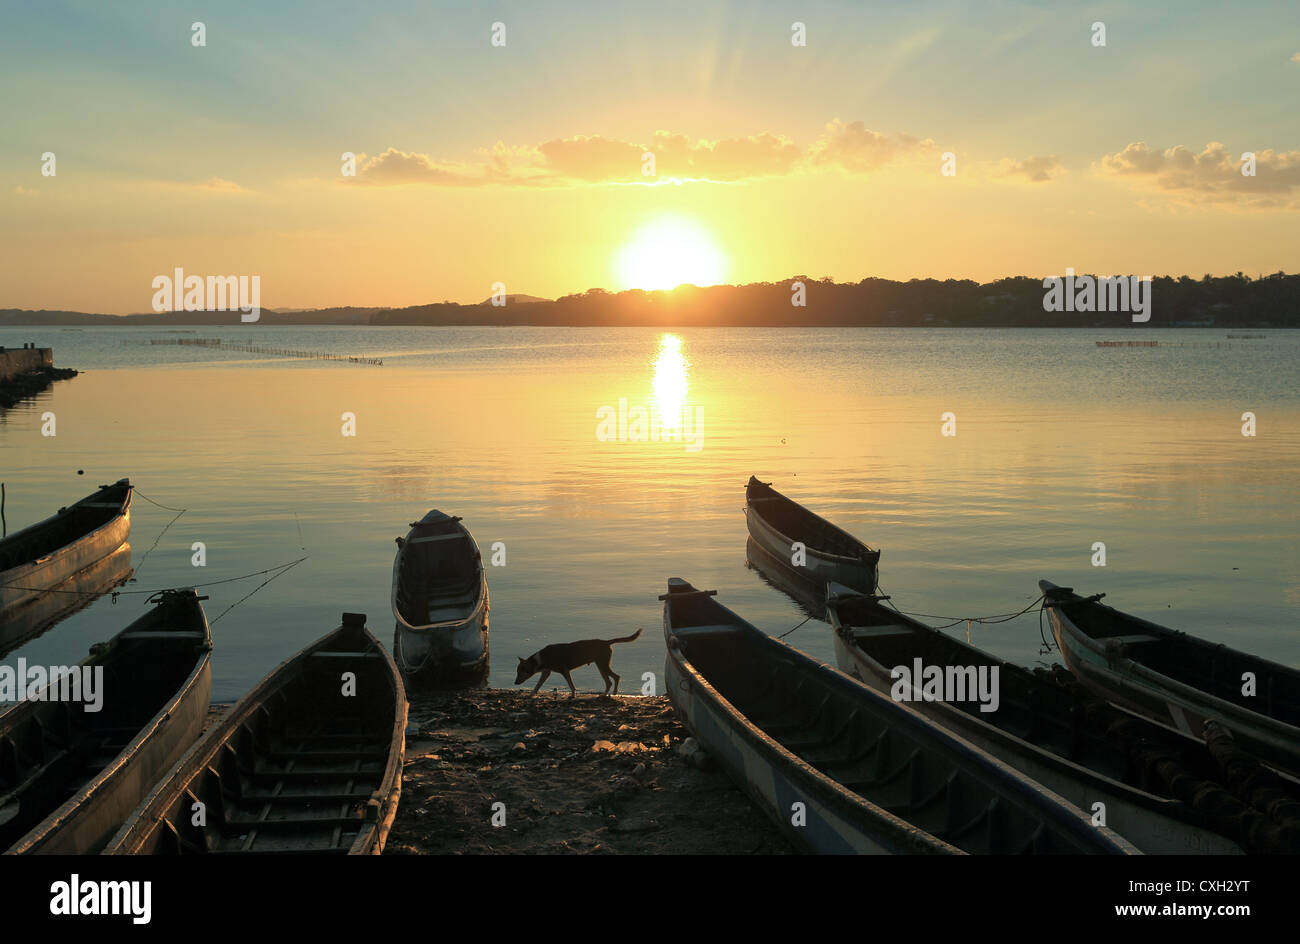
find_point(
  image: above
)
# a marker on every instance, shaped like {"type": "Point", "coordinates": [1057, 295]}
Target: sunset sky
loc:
{"type": "Point", "coordinates": [522, 164]}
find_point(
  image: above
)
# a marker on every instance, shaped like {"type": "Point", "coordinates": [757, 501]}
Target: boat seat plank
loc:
{"type": "Point", "coordinates": [294, 822]}
{"type": "Point", "coordinates": [876, 632]}
{"type": "Point", "coordinates": [162, 634]}
{"type": "Point", "coordinates": [430, 538]}
{"type": "Point", "coordinates": [1135, 639]}
{"type": "Point", "coordinates": [346, 655]}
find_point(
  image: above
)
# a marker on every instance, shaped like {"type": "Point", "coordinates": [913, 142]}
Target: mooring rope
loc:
{"type": "Point", "coordinates": [282, 571]}
{"type": "Point", "coordinates": [793, 628]}
{"type": "Point", "coordinates": [179, 512]}
{"type": "Point", "coordinates": [954, 620]}
{"type": "Point", "coordinates": [128, 593]}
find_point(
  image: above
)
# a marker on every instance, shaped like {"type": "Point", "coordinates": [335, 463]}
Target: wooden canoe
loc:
{"type": "Point", "coordinates": [1176, 679]}
{"type": "Point", "coordinates": [70, 777]}
{"type": "Point", "coordinates": [40, 557]}
{"type": "Point", "coordinates": [28, 620]}
{"type": "Point", "coordinates": [872, 775]}
{"type": "Point", "coordinates": [829, 554]}
{"type": "Point", "coordinates": [1050, 733]}
{"type": "Point", "coordinates": [440, 602]}
{"type": "Point", "coordinates": [309, 761]}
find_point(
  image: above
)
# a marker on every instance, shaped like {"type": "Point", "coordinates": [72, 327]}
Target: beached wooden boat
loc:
{"type": "Point", "coordinates": [440, 601]}
{"type": "Point", "coordinates": [40, 557]}
{"type": "Point", "coordinates": [872, 775]}
{"type": "Point", "coordinates": [69, 777]}
{"type": "Point", "coordinates": [30, 619]}
{"type": "Point", "coordinates": [828, 553]}
{"type": "Point", "coordinates": [1176, 679]}
{"type": "Point", "coordinates": [309, 761]}
{"type": "Point", "coordinates": [1060, 737]}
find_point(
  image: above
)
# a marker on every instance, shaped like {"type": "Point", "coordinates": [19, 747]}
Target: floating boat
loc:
{"type": "Point", "coordinates": [840, 768]}
{"type": "Point", "coordinates": [28, 620]}
{"type": "Point", "coordinates": [70, 773]}
{"type": "Point", "coordinates": [1176, 679]}
{"type": "Point", "coordinates": [309, 761]}
{"type": "Point", "coordinates": [777, 524]}
{"type": "Point", "coordinates": [1061, 738]}
{"type": "Point", "coordinates": [38, 558]}
{"type": "Point", "coordinates": [440, 600]}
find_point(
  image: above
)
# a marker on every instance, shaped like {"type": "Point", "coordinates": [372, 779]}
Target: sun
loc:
{"type": "Point", "coordinates": [668, 252]}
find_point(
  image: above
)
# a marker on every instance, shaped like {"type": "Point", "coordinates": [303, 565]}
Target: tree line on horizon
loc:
{"type": "Point", "coordinates": [1233, 301]}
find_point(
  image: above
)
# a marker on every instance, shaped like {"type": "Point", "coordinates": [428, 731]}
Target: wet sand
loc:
{"type": "Point", "coordinates": [576, 775]}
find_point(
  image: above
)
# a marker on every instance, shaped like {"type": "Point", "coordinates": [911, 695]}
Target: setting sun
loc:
{"type": "Point", "coordinates": [669, 252]}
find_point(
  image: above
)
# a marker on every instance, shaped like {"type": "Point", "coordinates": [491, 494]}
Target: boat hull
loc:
{"type": "Point", "coordinates": [24, 582]}
{"type": "Point", "coordinates": [775, 785]}
{"type": "Point", "coordinates": [28, 620]}
{"type": "Point", "coordinates": [86, 820]}
{"type": "Point", "coordinates": [302, 764]}
{"type": "Point", "coordinates": [827, 758]}
{"type": "Point", "coordinates": [445, 655]}
{"type": "Point", "coordinates": [440, 605]}
{"type": "Point", "coordinates": [857, 570]}
{"type": "Point", "coordinates": [1145, 820]}
{"type": "Point", "coordinates": [1109, 671]}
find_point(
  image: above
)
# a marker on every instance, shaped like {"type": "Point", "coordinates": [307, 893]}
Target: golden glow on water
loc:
{"type": "Point", "coordinates": [670, 383]}
{"type": "Point", "coordinates": [1199, 521]}
{"type": "Point", "coordinates": [669, 252]}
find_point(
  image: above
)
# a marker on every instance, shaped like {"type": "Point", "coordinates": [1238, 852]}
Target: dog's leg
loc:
{"type": "Point", "coordinates": [546, 673]}
{"type": "Point", "coordinates": [569, 678]}
{"type": "Point", "coordinates": [616, 678]}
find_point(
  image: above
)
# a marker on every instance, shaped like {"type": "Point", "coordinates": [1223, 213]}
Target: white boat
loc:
{"type": "Point", "coordinates": [440, 601]}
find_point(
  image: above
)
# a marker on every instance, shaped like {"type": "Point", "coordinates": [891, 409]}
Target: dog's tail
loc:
{"type": "Point", "coordinates": [626, 638]}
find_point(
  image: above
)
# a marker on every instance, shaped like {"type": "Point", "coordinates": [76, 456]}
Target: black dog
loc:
{"type": "Point", "coordinates": [564, 657]}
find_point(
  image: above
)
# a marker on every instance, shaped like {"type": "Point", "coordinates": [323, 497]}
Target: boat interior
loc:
{"type": "Point", "coordinates": [1032, 708]}
{"type": "Point", "coordinates": [439, 580]}
{"type": "Point", "coordinates": [71, 523]}
{"type": "Point", "coordinates": [855, 738]}
{"type": "Point", "coordinates": [294, 772]}
{"type": "Point", "coordinates": [800, 524]}
{"type": "Point", "coordinates": [49, 750]}
{"type": "Point", "coordinates": [1211, 668]}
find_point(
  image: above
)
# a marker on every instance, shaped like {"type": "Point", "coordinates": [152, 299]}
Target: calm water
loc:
{"type": "Point", "coordinates": [1059, 445]}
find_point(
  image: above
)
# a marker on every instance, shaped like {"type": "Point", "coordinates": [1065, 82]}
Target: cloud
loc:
{"type": "Point", "coordinates": [1037, 169]}
{"type": "Point", "coordinates": [220, 186]}
{"type": "Point", "coordinates": [397, 168]}
{"type": "Point", "coordinates": [856, 149]}
{"type": "Point", "coordinates": [594, 159]}
{"type": "Point", "coordinates": [1213, 174]}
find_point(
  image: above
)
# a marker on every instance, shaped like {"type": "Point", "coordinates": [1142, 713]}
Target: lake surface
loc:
{"type": "Point", "coordinates": [1059, 444]}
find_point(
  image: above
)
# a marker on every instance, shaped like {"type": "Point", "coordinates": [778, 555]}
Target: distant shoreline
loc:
{"type": "Point", "coordinates": [1236, 302]}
